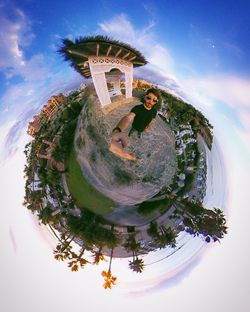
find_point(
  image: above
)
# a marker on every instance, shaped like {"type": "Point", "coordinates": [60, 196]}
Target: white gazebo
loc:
{"type": "Point", "coordinates": [104, 60]}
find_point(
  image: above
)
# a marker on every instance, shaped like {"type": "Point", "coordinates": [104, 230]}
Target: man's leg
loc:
{"type": "Point", "coordinates": [118, 144]}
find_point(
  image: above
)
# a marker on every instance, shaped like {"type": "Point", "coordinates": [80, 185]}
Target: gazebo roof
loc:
{"type": "Point", "coordinates": [82, 48]}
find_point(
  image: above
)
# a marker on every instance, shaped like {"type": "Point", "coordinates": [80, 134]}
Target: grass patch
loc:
{"type": "Point", "coordinates": [85, 195]}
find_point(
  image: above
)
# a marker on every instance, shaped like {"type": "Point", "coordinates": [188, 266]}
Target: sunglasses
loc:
{"type": "Point", "coordinates": [149, 98]}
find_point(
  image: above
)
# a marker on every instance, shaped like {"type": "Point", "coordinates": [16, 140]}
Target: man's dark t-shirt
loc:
{"type": "Point", "coordinates": [143, 117]}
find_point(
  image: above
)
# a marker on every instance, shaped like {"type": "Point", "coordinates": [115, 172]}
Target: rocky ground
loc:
{"type": "Point", "coordinates": [125, 181]}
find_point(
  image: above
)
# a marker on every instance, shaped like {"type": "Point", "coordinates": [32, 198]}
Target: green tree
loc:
{"type": "Point", "coordinates": [137, 265]}
{"type": "Point", "coordinates": [211, 224]}
{"type": "Point", "coordinates": [131, 245]}
{"type": "Point", "coordinates": [45, 214]}
{"type": "Point", "coordinates": [162, 236]}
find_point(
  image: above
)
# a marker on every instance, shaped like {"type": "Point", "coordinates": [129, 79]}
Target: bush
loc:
{"type": "Point", "coordinates": [93, 156]}
{"type": "Point", "coordinates": [80, 142]}
{"type": "Point", "coordinates": [122, 176]}
{"type": "Point", "coordinates": [149, 207]}
{"type": "Point", "coordinates": [93, 134]}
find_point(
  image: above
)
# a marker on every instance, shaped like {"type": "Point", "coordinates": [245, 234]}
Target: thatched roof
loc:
{"type": "Point", "coordinates": [78, 52]}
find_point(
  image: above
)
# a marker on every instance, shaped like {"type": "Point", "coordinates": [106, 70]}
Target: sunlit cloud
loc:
{"type": "Point", "coordinates": [15, 33]}
{"type": "Point", "coordinates": [233, 92]}
{"type": "Point", "coordinates": [27, 99]}
{"type": "Point", "coordinates": [203, 92]}
{"type": "Point", "coordinates": [143, 39]}
{"type": "Point", "coordinates": [230, 89]}
{"type": "Point", "coordinates": [16, 132]}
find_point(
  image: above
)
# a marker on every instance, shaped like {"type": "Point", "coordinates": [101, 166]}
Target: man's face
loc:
{"type": "Point", "coordinates": [150, 100]}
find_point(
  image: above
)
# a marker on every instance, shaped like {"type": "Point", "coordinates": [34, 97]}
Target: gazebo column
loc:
{"type": "Point", "coordinates": [116, 84]}
{"type": "Point", "coordinates": [101, 88]}
{"type": "Point", "coordinates": [128, 81]}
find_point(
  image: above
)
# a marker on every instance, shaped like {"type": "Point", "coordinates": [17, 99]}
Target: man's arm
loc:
{"type": "Point", "coordinates": [125, 121]}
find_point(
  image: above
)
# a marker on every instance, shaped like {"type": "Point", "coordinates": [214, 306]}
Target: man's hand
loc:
{"type": "Point", "coordinates": [116, 131]}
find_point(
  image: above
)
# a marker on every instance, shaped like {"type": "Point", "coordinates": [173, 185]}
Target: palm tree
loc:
{"type": "Point", "coordinates": [137, 264]}
{"type": "Point", "coordinates": [162, 236]}
{"type": "Point", "coordinates": [153, 229]}
{"type": "Point", "coordinates": [167, 235]}
{"type": "Point", "coordinates": [98, 256]}
{"type": "Point", "coordinates": [77, 261]}
{"type": "Point", "coordinates": [109, 279]}
{"type": "Point", "coordinates": [45, 214]}
{"type": "Point", "coordinates": [132, 245]}
{"type": "Point", "coordinates": [211, 224]}
{"type": "Point", "coordinates": [63, 248]}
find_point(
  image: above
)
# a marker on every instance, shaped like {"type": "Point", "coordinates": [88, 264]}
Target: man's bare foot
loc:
{"type": "Point", "coordinates": [133, 156]}
{"type": "Point", "coordinates": [121, 152]}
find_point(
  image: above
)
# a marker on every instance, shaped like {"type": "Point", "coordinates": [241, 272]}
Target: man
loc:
{"type": "Point", "coordinates": [141, 116]}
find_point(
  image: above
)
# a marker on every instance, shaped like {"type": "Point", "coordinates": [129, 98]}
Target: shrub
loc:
{"type": "Point", "coordinates": [122, 176]}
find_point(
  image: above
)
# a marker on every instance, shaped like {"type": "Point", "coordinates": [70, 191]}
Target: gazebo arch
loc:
{"type": "Point", "coordinates": [101, 65]}
{"type": "Point", "coordinates": [113, 78]}
{"type": "Point", "coordinates": [95, 56]}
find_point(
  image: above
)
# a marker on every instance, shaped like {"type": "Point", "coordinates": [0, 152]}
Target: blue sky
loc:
{"type": "Point", "coordinates": [198, 50]}
{"type": "Point", "coordinates": [189, 40]}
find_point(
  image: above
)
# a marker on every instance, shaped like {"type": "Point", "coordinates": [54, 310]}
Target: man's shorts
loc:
{"type": "Point", "coordinates": [132, 130]}
{"type": "Point", "coordinates": [120, 137]}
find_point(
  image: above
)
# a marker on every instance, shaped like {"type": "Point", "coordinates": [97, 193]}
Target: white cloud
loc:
{"type": "Point", "coordinates": [24, 100]}
{"type": "Point", "coordinates": [36, 68]}
{"type": "Point", "coordinates": [232, 91]}
{"type": "Point", "coordinates": [245, 134]}
{"type": "Point", "coordinates": [143, 39]}
{"type": "Point", "coordinates": [15, 33]}
{"type": "Point", "coordinates": [119, 25]}
{"type": "Point", "coordinates": [203, 92]}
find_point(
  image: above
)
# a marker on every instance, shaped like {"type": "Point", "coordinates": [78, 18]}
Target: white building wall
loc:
{"type": "Point", "coordinates": [99, 65]}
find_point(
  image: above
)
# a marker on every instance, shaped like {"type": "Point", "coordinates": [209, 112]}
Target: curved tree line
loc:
{"type": "Point", "coordinates": [94, 235]}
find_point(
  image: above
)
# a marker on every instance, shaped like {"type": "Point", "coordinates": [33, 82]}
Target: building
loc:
{"type": "Point", "coordinates": [46, 113]}
{"type": "Point", "coordinates": [185, 126]}
{"type": "Point", "coordinates": [34, 126]}
{"type": "Point", "coordinates": [53, 104]}
{"type": "Point", "coordinates": [184, 132]}
{"type": "Point", "coordinates": [104, 60]}
{"type": "Point", "coordinates": [190, 141]}
{"type": "Point", "coordinates": [47, 154]}
{"type": "Point", "coordinates": [82, 86]}
{"type": "Point", "coordinates": [35, 185]}
{"type": "Point", "coordinates": [137, 83]}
